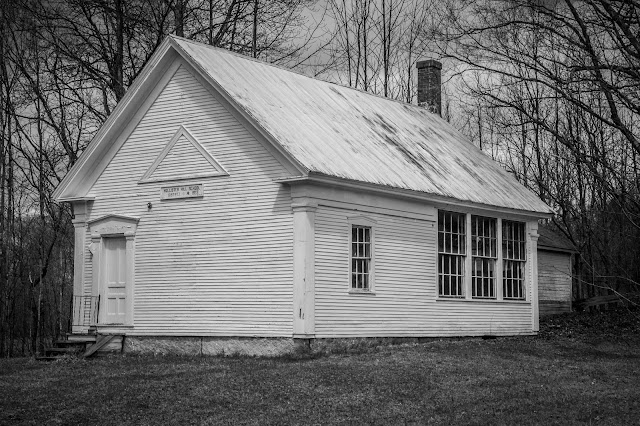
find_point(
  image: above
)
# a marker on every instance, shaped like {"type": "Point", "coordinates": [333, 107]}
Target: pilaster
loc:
{"type": "Point", "coordinates": [499, 262]}
{"type": "Point", "coordinates": [304, 213]}
{"type": "Point", "coordinates": [533, 273]}
{"type": "Point", "coordinates": [80, 232]}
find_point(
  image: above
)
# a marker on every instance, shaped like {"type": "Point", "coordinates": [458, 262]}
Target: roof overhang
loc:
{"type": "Point", "coordinates": [78, 182]}
{"type": "Point", "coordinates": [434, 199]}
{"type": "Point", "coordinates": [86, 170]}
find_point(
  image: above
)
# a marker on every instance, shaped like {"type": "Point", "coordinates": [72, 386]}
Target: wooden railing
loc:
{"type": "Point", "coordinates": [85, 310]}
{"type": "Point", "coordinates": [600, 302]}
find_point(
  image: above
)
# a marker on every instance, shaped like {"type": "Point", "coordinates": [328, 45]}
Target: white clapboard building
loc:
{"type": "Point", "coordinates": [227, 201]}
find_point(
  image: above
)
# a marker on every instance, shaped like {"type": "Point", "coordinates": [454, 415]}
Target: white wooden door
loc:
{"type": "Point", "coordinates": [114, 296]}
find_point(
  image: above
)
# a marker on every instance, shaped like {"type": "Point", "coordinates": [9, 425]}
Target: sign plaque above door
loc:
{"type": "Point", "coordinates": [181, 191]}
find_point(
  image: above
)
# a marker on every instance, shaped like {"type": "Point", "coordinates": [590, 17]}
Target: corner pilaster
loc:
{"type": "Point", "coordinates": [80, 232]}
{"type": "Point", "coordinates": [304, 213]}
{"type": "Point", "coordinates": [533, 273]}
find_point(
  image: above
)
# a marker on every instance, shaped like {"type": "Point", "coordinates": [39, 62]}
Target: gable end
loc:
{"type": "Point", "coordinates": [183, 160]}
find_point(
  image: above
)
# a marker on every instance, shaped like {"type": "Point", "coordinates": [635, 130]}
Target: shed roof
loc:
{"type": "Point", "coordinates": [346, 133]}
{"type": "Point", "coordinates": [553, 241]}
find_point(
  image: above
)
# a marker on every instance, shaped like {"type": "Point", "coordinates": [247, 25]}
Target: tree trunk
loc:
{"type": "Point", "coordinates": [178, 14]}
{"type": "Point", "coordinates": [118, 58]}
{"type": "Point", "coordinates": [254, 41]}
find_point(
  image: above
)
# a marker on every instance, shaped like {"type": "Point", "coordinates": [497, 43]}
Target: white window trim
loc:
{"type": "Point", "coordinates": [526, 265]}
{"type": "Point", "coordinates": [467, 297]}
{"type": "Point", "coordinates": [371, 223]}
{"type": "Point", "coordinates": [464, 256]}
{"type": "Point", "coordinates": [495, 259]}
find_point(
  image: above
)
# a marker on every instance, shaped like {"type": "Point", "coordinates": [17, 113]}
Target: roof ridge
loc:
{"type": "Point", "coordinates": [259, 61]}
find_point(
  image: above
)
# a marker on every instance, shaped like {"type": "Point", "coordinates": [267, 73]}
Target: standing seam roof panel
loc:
{"type": "Point", "coordinates": [346, 133]}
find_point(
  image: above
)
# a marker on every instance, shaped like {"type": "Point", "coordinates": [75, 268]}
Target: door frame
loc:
{"type": "Point", "coordinates": [101, 228]}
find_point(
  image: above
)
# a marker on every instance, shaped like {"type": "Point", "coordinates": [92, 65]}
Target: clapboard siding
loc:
{"type": "Point", "coordinates": [554, 278]}
{"type": "Point", "coordinates": [181, 160]}
{"type": "Point", "coordinates": [405, 301]}
{"type": "Point", "coordinates": [220, 265]}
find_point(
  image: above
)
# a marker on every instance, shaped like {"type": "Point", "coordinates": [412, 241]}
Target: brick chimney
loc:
{"type": "Point", "coordinates": [429, 85]}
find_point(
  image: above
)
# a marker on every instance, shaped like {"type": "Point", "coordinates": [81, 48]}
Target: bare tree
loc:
{"type": "Point", "coordinates": [377, 43]}
{"type": "Point", "coordinates": [560, 80]}
{"type": "Point", "coordinates": [64, 65]}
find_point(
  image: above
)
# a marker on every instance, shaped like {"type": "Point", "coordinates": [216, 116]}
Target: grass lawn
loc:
{"type": "Point", "coordinates": [581, 369]}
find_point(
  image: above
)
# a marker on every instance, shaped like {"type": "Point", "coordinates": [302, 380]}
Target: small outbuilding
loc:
{"type": "Point", "coordinates": [229, 205]}
{"type": "Point", "coordinates": [555, 277]}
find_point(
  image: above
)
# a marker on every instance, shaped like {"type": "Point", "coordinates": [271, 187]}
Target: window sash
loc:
{"type": "Point", "coordinates": [513, 241]}
{"type": "Point", "coordinates": [450, 275]}
{"type": "Point", "coordinates": [483, 278]}
{"type": "Point", "coordinates": [493, 271]}
{"type": "Point", "coordinates": [484, 250]}
{"type": "Point", "coordinates": [451, 232]}
{"type": "Point", "coordinates": [514, 254]}
{"type": "Point", "coordinates": [452, 243]}
{"type": "Point", "coordinates": [513, 279]}
{"type": "Point", "coordinates": [484, 241]}
{"type": "Point", "coordinates": [360, 257]}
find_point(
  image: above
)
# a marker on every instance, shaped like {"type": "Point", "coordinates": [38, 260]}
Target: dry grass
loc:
{"type": "Point", "coordinates": [567, 375]}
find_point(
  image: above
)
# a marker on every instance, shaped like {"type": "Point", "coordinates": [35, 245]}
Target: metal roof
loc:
{"type": "Point", "coordinates": [347, 133]}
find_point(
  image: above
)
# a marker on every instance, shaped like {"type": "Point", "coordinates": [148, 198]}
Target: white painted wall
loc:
{"type": "Point", "coordinates": [405, 302]}
{"type": "Point", "coordinates": [219, 265]}
{"type": "Point", "coordinates": [222, 265]}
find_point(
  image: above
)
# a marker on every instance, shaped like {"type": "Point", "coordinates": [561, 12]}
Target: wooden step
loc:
{"type": "Point", "coordinates": [47, 358]}
{"type": "Point", "coordinates": [84, 344]}
{"type": "Point", "coordinates": [62, 351]}
{"type": "Point", "coordinates": [87, 338]}
{"type": "Point", "coordinates": [66, 343]}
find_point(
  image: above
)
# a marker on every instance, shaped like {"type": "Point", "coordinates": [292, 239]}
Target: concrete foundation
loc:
{"type": "Point", "coordinates": [213, 346]}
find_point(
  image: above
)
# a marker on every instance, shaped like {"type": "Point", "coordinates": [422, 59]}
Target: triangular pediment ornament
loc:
{"type": "Point", "coordinates": [183, 158]}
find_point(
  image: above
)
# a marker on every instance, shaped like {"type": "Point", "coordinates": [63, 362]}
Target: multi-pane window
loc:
{"type": "Point", "coordinates": [484, 252]}
{"type": "Point", "coordinates": [497, 257]}
{"type": "Point", "coordinates": [360, 257]}
{"type": "Point", "coordinates": [514, 255]}
{"type": "Point", "coordinates": [451, 253]}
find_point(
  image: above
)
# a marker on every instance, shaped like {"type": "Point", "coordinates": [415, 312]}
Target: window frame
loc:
{"type": "Point", "coordinates": [522, 260]}
{"type": "Point", "coordinates": [484, 257]}
{"type": "Point", "coordinates": [461, 253]}
{"type": "Point", "coordinates": [364, 222]}
{"type": "Point", "coordinates": [500, 261]}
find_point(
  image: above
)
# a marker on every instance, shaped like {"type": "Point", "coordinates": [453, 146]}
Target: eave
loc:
{"type": "Point", "coordinates": [70, 188]}
{"type": "Point", "coordinates": [437, 200]}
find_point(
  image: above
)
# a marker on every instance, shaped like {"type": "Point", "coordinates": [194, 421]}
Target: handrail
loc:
{"type": "Point", "coordinates": [85, 310]}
